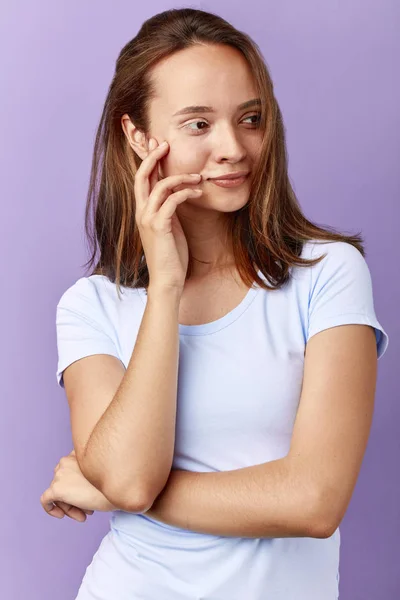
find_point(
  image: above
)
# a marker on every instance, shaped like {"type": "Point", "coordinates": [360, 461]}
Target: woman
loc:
{"type": "Point", "coordinates": [223, 424]}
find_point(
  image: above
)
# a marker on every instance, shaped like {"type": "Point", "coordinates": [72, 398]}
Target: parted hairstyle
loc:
{"type": "Point", "coordinates": [267, 233]}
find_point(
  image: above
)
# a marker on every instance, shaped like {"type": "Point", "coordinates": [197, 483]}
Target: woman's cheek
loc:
{"type": "Point", "coordinates": [181, 158]}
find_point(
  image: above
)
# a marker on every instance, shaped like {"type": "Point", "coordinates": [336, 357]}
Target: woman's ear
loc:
{"type": "Point", "coordinates": [137, 139]}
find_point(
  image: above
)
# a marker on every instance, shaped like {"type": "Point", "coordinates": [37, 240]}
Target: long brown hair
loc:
{"type": "Point", "coordinates": [267, 233]}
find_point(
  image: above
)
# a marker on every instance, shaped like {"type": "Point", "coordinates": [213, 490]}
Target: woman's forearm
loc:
{"type": "Point", "coordinates": [264, 500]}
{"type": "Point", "coordinates": [105, 505]}
{"type": "Point", "coordinates": [130, 451]}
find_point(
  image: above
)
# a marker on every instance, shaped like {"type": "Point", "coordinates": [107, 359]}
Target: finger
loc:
{"type": "Point", "coordinates": [48, 505]}
{"type": "Point", "coordinates": [72, 511]}
{"type": "Point", "coordinates": [165, 187]}
{"type": "Point", "coordinates": [142, 183]}
{"type": "Point", "coordinates": [154, 178]}
{"type": "Point", "coordinates": [57, 512]}
{"type": "Point", "coordinates": [58, 509]}
{"type": "Point", "coordinates": [170, 205]}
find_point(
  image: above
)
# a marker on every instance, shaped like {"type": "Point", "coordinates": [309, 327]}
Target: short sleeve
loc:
{"type": "Point", "coordinates": [341, 292]}
{"type": "Point", "coordinates": [82, 326]}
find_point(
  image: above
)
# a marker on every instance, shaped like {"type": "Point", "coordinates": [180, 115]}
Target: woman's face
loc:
{"type": "Point", "coordinates": [210, 143]}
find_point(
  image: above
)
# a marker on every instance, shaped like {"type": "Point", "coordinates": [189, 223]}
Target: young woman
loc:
{"type": "Point", "coordinates": [223, 423]}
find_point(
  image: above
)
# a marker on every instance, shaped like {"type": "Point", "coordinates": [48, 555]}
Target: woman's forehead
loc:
{"type": "Point", "coordinates": [181, 81]}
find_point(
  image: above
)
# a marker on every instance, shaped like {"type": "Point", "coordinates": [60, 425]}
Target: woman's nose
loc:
{"type": "Point", "coordinates": [229, 146]}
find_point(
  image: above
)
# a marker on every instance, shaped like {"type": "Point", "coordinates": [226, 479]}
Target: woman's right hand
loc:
{"type": "Point", "coordinates": [164, 242]}
{"type": "Point", "coordinates": [70, 493]}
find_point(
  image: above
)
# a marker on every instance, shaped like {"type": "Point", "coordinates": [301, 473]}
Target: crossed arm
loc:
{"type": "Point", "coordinates": [306, 493]}
{"type": "Point", "coordinates": [259, 501]}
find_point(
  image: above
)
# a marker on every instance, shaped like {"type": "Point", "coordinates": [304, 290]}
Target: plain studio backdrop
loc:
{"type": "Point", "coordinates": [335, 70]}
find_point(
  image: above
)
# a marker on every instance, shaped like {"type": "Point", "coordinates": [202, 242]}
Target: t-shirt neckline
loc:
{"type": "Point", "coordinates": [218, 324]}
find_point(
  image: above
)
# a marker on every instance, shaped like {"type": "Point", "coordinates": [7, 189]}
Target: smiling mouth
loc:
{"type": "Point", "coordinates": [235, 175]}
{"type": "Point", "coordinates": [229, 183]}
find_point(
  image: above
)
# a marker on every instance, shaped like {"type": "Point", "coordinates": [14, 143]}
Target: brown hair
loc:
{"type": "Point", "coordinates": [267, 233]}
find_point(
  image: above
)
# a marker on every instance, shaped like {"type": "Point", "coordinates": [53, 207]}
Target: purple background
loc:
{"type": "Point", "coordinates": [335, 70]}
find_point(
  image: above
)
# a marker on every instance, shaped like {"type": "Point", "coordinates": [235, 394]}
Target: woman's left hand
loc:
{"type": "Point", "coordinates": [71, 494]}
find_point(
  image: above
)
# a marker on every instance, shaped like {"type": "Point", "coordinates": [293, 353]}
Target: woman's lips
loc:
{"type": "Point", "coordinates": [228, 183]}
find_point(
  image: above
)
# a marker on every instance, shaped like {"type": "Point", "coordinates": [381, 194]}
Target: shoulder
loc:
{"type": "Point", "coordinates": [88, 293]}
{"type": "Point", "coordinates": [331, 251]}
{"type": "Point", "coordinates": [334, 250]}
{"type": "Point", "coordinates": [341, 291]}
{"type": "Point", "coordinates": [92, 300]}
{"type": "Point", "coordinates": [338, 260]}
{"type": "Point", "coordinates": [341, 265]}
{"type": "Point", "coordinates": [86, 322]}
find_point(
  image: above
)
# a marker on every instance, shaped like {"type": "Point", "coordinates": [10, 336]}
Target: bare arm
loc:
{"type": "Point", "coordinates": [266, 500]}
{"type": "Point", "coordinates": [130, 450]}
{"type": "Point", "coordinates": [306, 493]}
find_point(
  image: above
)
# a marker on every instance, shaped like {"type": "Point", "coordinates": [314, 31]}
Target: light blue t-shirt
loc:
{"type": "Point", "coordinates": [239, 385]}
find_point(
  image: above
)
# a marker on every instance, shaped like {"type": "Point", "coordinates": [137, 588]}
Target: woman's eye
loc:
{"type": "Point", "coordinates": [195, 123]}
{"type": "Point", "coordinates": [257, 118]}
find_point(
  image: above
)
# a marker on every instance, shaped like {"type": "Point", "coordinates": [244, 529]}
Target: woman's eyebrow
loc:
{"type": "Point", "coordinates": [209, 109]}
